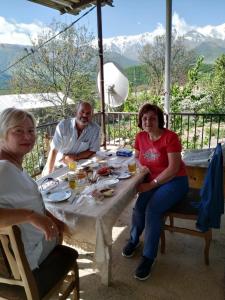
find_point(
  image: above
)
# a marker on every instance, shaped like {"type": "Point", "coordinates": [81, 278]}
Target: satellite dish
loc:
{"type": "Point", "coordinates": [116, 85]}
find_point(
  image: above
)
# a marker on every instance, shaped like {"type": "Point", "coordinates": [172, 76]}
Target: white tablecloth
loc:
{"type": "Point", "coordinates": [90, 224]}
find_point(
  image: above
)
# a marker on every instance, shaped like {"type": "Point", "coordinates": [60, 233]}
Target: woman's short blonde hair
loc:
{"type": "Point", "coordinates": [11, 117]}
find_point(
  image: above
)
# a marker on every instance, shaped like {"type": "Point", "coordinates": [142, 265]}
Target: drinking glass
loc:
{"type": "Point", "coordinates": [72, 180]}
{"type": "Point", "coordinates": [72, 165]}
{"type": "Point", "coordinates": [132, 166]}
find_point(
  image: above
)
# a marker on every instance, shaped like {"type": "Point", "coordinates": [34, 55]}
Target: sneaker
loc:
{"type": "Point", "coordinates": [143, 271]}
{"type": "Point", "coordinates": [129, 249]}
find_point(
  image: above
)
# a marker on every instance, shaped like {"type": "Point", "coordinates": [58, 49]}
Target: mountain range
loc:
{"type": "Point", "coordinates": [209, 43]}
{"type": "Point", "coordinates": [124, 50]}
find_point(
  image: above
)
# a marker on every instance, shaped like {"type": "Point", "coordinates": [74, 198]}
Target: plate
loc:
{"type": "Point", "coordinates": [94, 165]}
{"type": "Point", "coordinates": [109, 182]}
{"type": "Point", "coordinates": [58, 196]}
{"type": "Point", "coordinates": [125, 175]}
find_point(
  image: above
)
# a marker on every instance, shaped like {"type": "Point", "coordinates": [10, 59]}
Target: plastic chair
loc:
{"type": "Point", "coordinates": [204, 206]}
{"type": "Point", "coordinates": [58, 273]}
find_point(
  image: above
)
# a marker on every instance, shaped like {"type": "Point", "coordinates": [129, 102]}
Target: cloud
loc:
{"type": "Point", "coordinates": [18, 33]}
{"type": "Point", "coordinates": [180, 25]}
{"type": "Point", "coordinates": [181, 28]}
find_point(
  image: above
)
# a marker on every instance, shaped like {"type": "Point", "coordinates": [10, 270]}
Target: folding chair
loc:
{"type": "Point", "coordinates": [58, 273]}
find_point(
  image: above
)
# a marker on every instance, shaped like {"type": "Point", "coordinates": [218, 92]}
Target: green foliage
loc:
{"type": "Point", "coordinates": [217, 86]}
{"type": "Point", "coordinates": [153, 58]}
{"type": "Point", "coordinates": [189, 97]}
{"type": "Point", "coordinates": [63, 66]}
{"type": "Point", "coordinates": [137, 76]}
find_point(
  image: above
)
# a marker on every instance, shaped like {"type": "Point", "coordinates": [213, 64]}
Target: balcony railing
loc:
{"type": "Point", "coordinates": [197, 131]}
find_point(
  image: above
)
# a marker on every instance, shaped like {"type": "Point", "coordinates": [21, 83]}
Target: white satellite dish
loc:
{"type": "Point", "coordinates": [116, 85]}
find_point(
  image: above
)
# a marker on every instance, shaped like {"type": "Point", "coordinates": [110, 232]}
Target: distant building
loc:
{"type": "Point", "coordinates": [31, 101]}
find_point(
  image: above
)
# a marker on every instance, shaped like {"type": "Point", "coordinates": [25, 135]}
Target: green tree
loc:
{"type": "Point", "coordinates": [153, 57]}
{"type": "Point", "coordinates": [62, 66]}
{"type": "Point", "coordinates": [190, 97]}
{"type": "Point", "coordinates": [217, 85]}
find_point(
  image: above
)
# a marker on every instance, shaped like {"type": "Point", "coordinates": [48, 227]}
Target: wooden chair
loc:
{"type": "Point", "coordinates": [58, 273]}
{"type": "Point", "coordinates": [209, 213]}
{"type": "Point", "coordinates": [186, 211]}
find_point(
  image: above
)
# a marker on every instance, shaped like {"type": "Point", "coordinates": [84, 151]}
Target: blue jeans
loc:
{"type": "Point", "coordinates": [149, 209]}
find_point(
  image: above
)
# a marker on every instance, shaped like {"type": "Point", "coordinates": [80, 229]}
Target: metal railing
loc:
{"type": "Point", "coordinates": [197, 131]}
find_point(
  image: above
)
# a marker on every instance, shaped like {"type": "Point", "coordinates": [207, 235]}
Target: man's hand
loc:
{"type": "Point", "coordinates": [69, 158]}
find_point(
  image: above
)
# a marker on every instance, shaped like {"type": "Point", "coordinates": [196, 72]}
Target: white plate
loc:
{"type": "Point", "coordinates": [94, 165]}
{"type": "Point", "coordinates": [125, 175]}
{"type": "Point", "coordinates": [109, 182]}
{"type": "Point", "coordinates": [58, 196]}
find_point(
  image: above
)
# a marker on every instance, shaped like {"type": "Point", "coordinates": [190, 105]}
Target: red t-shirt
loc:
{"type": "Point", "coordinates": [153, 154]}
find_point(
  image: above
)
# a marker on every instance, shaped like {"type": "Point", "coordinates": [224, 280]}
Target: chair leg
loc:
{"type": "Point", "coordinates": [171, 221]}
{"type": "Point", "coordinates": [208, 238]}
{"type": "Point", "coordinates": [163, 241]}
{"type": "Point", "coordinates": [77, 282]}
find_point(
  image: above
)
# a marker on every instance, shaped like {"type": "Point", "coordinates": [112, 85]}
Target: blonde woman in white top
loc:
{"type": "Point", "coordinates": [20, 200]}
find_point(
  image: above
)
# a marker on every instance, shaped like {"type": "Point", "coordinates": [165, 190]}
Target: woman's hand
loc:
{"type": "Point", "coordinates": [45, 224]}
{"type": "Point", "coordinates": [143, 168]}
{"type": "Point", "coordinates": [143, 187]}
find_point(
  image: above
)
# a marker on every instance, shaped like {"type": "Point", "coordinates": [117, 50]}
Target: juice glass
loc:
{"type": "Point", "coordinates": [72, 180]}
{"type": "Point", "coordinates": [72, 165]}
{"type": "Point", "coordinates": [132, 166]}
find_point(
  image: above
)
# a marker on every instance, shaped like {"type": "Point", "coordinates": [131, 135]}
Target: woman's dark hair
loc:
{"type": "Point", "coordinates": [147, 108]}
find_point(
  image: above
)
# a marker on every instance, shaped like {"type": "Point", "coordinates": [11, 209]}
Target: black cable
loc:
{"type": "Point", "coordinates": [35, 50]}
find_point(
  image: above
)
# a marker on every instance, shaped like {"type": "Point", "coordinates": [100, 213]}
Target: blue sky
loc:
{"type": "Point", "coordinates": [128, 17]}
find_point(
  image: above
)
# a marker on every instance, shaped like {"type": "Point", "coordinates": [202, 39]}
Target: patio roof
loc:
{"type": "Point", "coordinates": [73, 7]}
{"type": "Point", "coordinates": [31, 101]}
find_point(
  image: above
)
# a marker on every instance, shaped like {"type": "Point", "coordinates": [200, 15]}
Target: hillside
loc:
{"type": "Point", "coordinates": [124, 50]}
{"type": "Point", "coordinates": [8, 54]}
{"type": "Point", "coordinates": [210, 51]}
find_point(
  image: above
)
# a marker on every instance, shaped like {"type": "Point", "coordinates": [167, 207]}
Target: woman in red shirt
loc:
{"type": "Point", "coordinates": [158, 149]}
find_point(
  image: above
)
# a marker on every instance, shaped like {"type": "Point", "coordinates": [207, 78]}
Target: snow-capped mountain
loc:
{"type": "Point", "coordinates": [129, 46]}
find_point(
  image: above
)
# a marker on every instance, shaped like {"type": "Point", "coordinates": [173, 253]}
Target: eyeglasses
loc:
{"type": "Point", "coordinates": [49, 183]}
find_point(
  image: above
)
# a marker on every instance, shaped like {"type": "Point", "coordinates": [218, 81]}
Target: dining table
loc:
{"type": "Point", "coordinates": [89, 221]}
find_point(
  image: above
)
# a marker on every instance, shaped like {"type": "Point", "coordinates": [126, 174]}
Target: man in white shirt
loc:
{"type": "Point", "coordinates": [74, 139]}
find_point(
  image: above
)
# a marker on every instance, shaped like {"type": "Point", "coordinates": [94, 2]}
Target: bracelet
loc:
{"type": "Point", "coordinates": [156, 181]}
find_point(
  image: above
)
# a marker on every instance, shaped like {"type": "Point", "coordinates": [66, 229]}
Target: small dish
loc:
{"type": "Point", "coordinates": [107, 192]}
{"type": "Point", "coordinates": [57, 196]}
{"type": "Point", "coordinates": [124, 175]}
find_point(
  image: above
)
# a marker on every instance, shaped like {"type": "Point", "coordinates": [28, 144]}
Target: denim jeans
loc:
{"type": "Point", "coordinates": [149, 209]}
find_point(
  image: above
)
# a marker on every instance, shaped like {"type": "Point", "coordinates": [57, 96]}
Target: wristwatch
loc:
{"type": "Point", "coordinates": [156, 181]}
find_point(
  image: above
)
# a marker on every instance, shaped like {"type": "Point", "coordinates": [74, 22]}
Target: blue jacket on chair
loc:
{"type": "Point", "coordinates": [211, 206]}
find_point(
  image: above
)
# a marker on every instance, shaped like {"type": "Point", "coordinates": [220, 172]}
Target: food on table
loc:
{"type": "Point", "coordinates": [80, 174]}
{"type": "Point", "coordinates": [107, 192]}
{"type": "Point", "coordinates": [97, 195]}
{"type": "Point", "coordinates": [104, 171]}
{"type": "Point", "coordinates": [87, 169]}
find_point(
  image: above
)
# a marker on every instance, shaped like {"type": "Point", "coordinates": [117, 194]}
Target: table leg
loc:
{"type": "Point", "coordinates": [106, 271]}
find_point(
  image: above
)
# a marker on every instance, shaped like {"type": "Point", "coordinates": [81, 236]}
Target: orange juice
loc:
{"type": "Point", "coordinates": [72, 184]}
{"type": "Point", "coordinates": [132, 167]}
{"type": "Point", "coordinates": [72, 165]}
{"type": "Point", "coordinates": [72, 180]}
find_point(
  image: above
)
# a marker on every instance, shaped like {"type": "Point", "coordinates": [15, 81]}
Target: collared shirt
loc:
{"type": "Point", "coordinates": [66, 138]}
